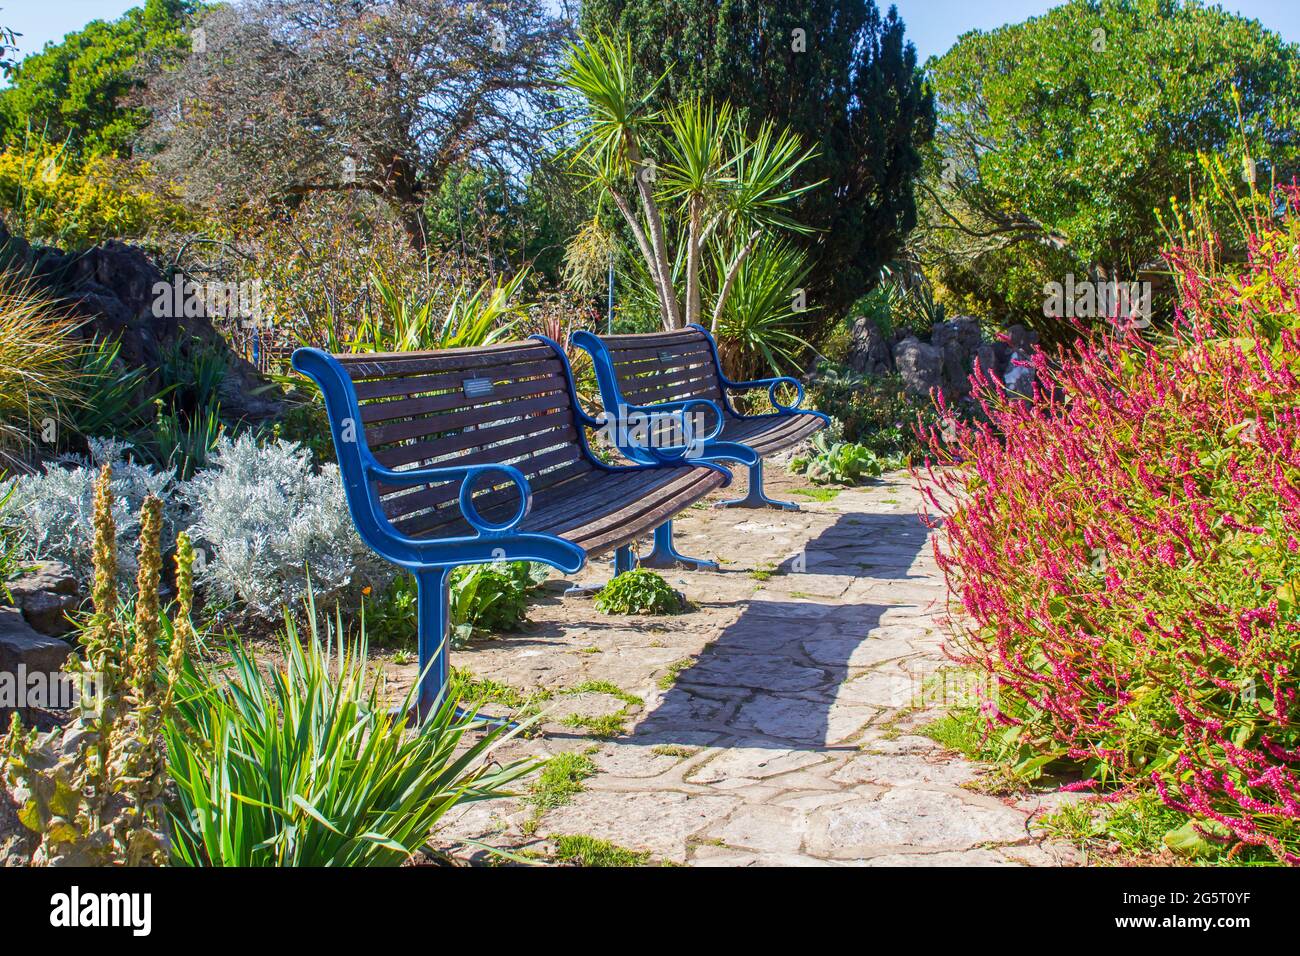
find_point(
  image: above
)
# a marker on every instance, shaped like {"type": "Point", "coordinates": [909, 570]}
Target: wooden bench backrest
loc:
{"type": "Point", "coordinates": [499, 404]}
{"type": "Point", "coordinates": [664, 366]}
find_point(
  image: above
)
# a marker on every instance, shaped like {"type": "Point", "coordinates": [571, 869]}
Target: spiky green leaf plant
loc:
{"type": "Point", "coordinates": [302, 764]}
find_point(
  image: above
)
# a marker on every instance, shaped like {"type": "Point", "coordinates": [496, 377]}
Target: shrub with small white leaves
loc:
{"type": "Point", "coordinates": [266, 519]}
{"type": "Point", "coordinates": [50, 514]}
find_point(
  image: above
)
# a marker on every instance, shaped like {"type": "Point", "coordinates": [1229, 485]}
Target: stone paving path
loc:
{"type": "Point", "coordinates": [777, 719]}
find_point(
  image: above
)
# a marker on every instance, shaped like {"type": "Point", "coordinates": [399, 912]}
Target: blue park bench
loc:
{"type": "Point", "coordinates": [662, 374]}
{"type": "Point", "coordinates": [472, 456]}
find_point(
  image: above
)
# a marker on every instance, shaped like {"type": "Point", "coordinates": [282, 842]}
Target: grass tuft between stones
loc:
{"type": "Point", "coordinates": [582, 850]}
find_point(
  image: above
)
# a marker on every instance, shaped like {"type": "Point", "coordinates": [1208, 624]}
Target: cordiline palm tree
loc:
{"type": "Point", "coordinates": [690, 176]}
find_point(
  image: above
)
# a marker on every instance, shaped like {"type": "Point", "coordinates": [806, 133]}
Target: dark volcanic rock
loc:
{"type": "Point", "coordinates": [112, 286]}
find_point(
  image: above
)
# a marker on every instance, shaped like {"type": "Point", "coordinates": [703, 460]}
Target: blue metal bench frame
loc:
{"type": "Point", "coordinates": [702, 448]}
{"type": "Point", "coordinates": [431, 560]}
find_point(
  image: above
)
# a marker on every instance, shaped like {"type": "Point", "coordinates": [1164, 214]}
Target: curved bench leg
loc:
{"type": "Point", "coordinates": [624, 560]}
{"type": "Point", "coordinates": [664, 555]}
{"type": "Point", "coordinates": [432, 587]}
{"type": "Point", "coordinates": [755, 498]}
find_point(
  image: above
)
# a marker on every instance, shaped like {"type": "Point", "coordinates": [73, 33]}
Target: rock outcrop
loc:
{"type": "Point", "coordinates": [112, 286]}
{"type": "Point", "coordinates": [21, 645]}
{"type": "Point", "coordinates": [46, 595]}
{"type": "Point", "coordinates": [946, 361]}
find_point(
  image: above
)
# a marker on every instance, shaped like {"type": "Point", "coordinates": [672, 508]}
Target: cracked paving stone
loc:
{"type": "Point", "coordinates": [660, 821]}
{"type": "Point", "coordinates": [755, 763]}
{"type": "Point", "coordinates": [929, 819]}
{"type": "Point", "coordinates": [759, 671]}
{"type": "Point", "coordinates": [804, 721]}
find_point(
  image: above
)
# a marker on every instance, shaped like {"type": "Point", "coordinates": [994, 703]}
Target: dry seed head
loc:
{"type": "Point", "coordinates": [147, 581]}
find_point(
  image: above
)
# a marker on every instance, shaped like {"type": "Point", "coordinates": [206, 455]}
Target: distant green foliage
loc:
{"type": "Point", "coordinates": [1060, 138]}
{"type": "Point", "coordinates": [107, 401]}
{"type": "Point", "coordinates": [74, 90]}
{"type": "Point", "coordinates": [871, 112]}
{"type": "Point", "coordinates": [639, 591]}
{"type": "Point", "coordinates": [408, 319]}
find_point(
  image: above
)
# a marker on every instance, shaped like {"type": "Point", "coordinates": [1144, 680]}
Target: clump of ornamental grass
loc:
{"type": "Point", "coordinates": [1125, 552]}
{"type": "Point", "coordinates": [94, 790]}
{"type": "Point", "coordinates": [37, 363]}
{"type": "Point", "coordinates": [304, 764]}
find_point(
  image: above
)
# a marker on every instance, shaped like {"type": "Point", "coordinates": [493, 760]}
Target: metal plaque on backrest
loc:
{"type": "Point", "coordinates": [477, 387]}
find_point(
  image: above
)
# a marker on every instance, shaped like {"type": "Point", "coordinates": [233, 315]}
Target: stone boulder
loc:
{"type": "Point", "coordinates": [963, 332]}
{"type": "Point", "coordinates": [46, 595]}
{"type": "Point", "coordinates": [111, 286]}
{"type": "Point", "coordinates": [920, 365]}
{"type": "Point", "coordinates": [869, 353]}
{"type": "Point", "coordinates": [1018, 338]}
{"type": "Point", "coordinates": [20, 645]}
{"type": "Point", "coordinates": [1019, 377]}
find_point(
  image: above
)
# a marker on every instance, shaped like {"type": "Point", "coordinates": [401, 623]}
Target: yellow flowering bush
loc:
{"type": "Point", "coordinates": [50, 197]}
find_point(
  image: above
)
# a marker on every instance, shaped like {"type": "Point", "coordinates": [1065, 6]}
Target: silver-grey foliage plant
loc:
{"type": "Point", "coordinates": [264, 516]}
{"type": "Point", "coordinates": [50, 513]}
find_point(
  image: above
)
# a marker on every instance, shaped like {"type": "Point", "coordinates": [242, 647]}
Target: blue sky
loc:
{"type": "Point", "coordinates": [933, 25]}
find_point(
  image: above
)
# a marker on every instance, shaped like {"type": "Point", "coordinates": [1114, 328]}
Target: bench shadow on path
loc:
{"type": "Point", "coordinates": [771, 679]}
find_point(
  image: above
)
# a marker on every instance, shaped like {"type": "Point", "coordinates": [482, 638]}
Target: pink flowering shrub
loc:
{"type": "Point", "coordinates": [1126, 552]}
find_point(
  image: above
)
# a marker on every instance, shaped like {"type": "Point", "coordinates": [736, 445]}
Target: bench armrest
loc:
{"type": "Point", "coordinates": [625, 437]}
{"type": "Point", "coordinates": [683, 407]}
{"type": "Point", "coordinates": [771, 385]}
{"type": "Point", "coordinates": [468, 475]}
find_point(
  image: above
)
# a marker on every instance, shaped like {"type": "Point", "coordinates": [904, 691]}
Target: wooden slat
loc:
{"type": "Point", "coordinates": [432, 495]}
{"type": "Point", "coordinates": [429, 453]}
{"type": "Point", "coordinates": [690, 381]}
{"type": "Point", "coordinates": [504, 432]}
{"type": "Point", "coordinates": [495, 505]}
{"type": "Point", "coordinates": [409, 364]}
{"type": "Point", "coordinates": [624, 526]}
{"type": "Point", "coordinates": [686, 352]}
{"type": "Point", "coordinates": [652, 338]}
{"type": "Point", "coordinates": [379, 411]}
{"type": "Point", "coordinates": [479, 416]}
{"type": "Point", "coordinates": [369, 389]}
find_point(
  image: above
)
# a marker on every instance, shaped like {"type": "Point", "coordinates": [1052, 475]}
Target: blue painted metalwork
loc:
{"type": "Point", "coordinates": [431, 559]}
{"type": "Point", "coordinates": [706, 448]}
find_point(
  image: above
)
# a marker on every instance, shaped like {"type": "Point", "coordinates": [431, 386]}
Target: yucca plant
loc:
{"type": "Point", "coordinates": [755, 328]}
{"type": "Point", "coordinates": [38, 353]}
{"type": "Point", "coordinates": [303, 765]}
{"type": "Point", "coordinates": [409, 321]}
{"type": "Point", "coordinates": [183, 442]}
{"type": "Point", "coordinates": [714, 185]}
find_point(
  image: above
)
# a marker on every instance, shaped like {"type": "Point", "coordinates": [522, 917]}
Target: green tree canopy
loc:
{"type": "Point", "coordinates": [837, 73]}
{"type": "Point", "coordinates": [76, 89]}
{"type": "Point", "coordinates": [1060, 138]}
